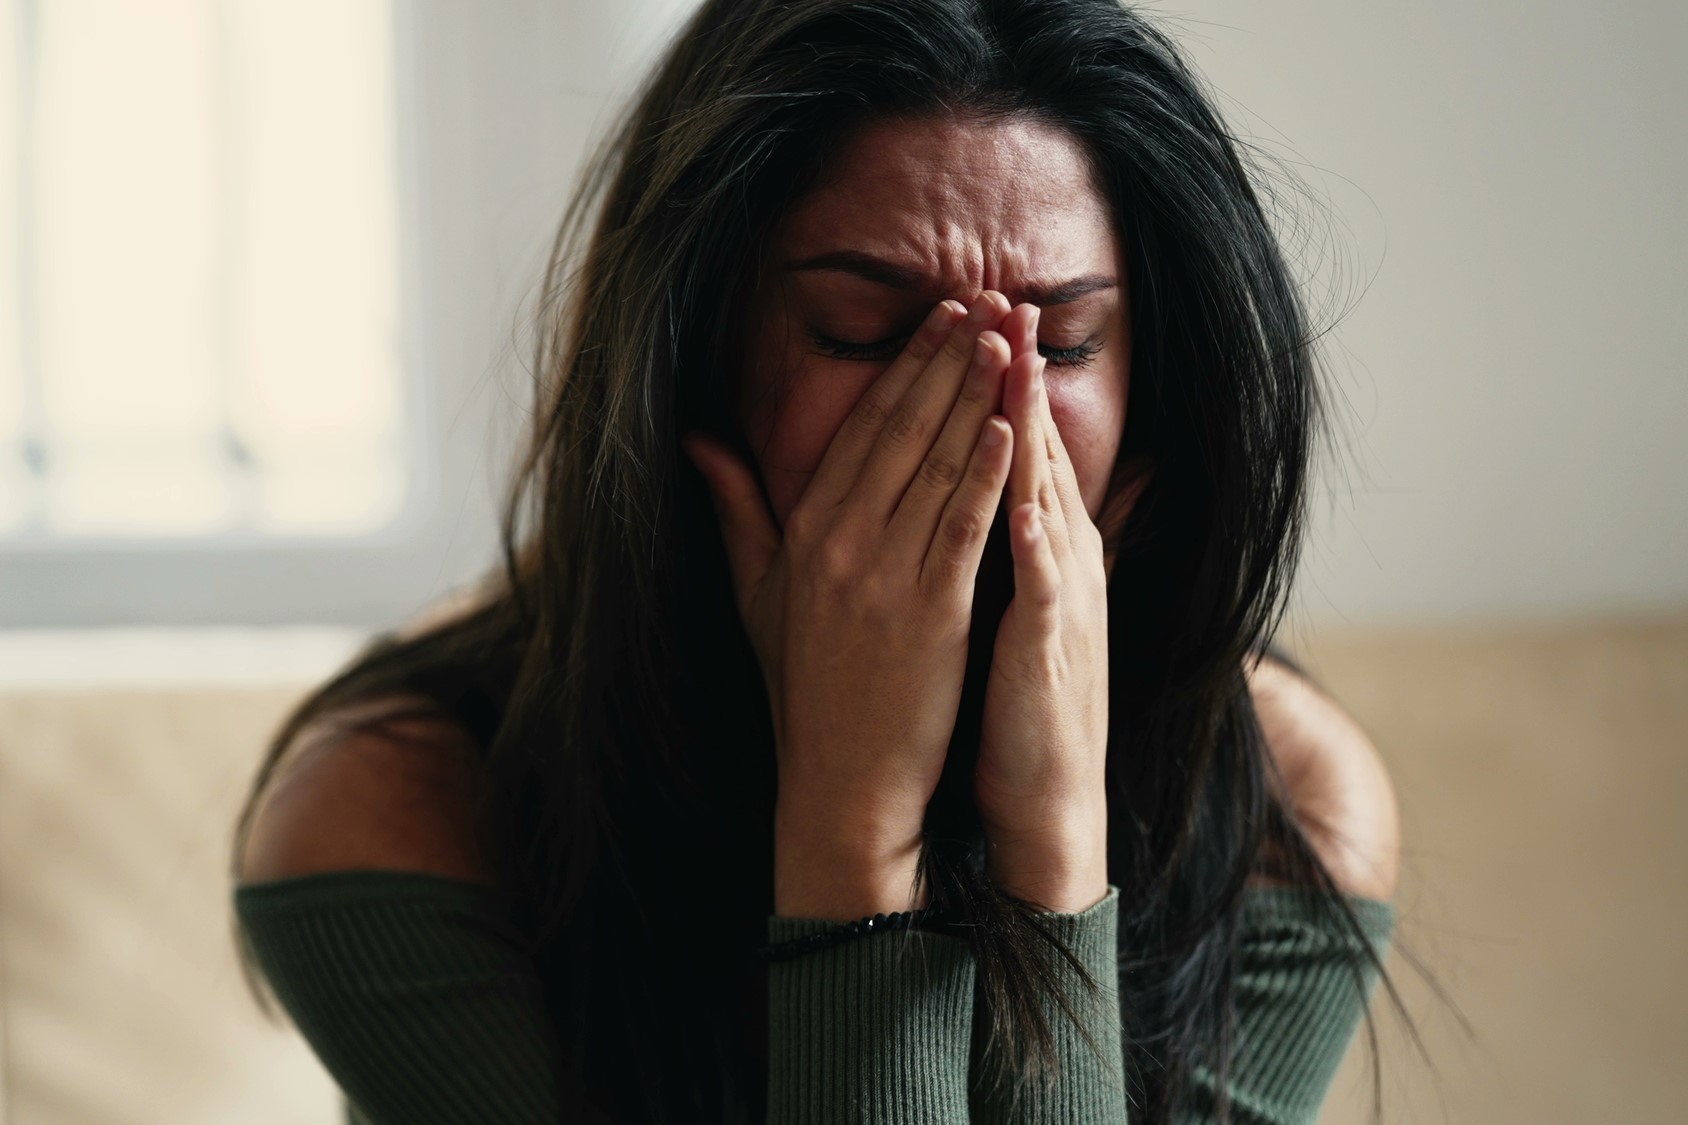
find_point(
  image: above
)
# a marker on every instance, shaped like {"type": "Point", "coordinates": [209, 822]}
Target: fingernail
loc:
{"type": "Point", "coordinates": [982, 350]}
{"type": "Point", "coordinates": [993, 432]}
{"type": "Point", "coordinates": [981, 309]}
{"type": "Point", "coordinates": [945, 315]}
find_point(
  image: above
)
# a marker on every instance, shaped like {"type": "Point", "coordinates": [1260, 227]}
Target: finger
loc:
{"type": "Point", "coordinates": [842, 462]}
{"type": "Point", "coordinates": [747, 527]}
{"type": "Point", "coordinates": [1020, 328]}
{"type": "Point", "coordinates": [916, 517]}
{"type": "Point", "coordinates": [1061, 469]}
{"type": "Point", "coordinates": [1037, 575]}
{"type": "Point", "coordinates": [1030, 480]}
{"type": "Point", "coordinates": [911, 428]}
{"type": "Point", "coordinates": [952, 561]}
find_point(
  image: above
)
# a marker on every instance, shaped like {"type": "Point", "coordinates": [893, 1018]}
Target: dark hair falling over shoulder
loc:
{"type": "Point", "coordinates": [629, 762]}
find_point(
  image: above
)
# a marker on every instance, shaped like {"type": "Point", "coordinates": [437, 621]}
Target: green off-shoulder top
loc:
{"type": "Point", "coordinates": [415, 993]}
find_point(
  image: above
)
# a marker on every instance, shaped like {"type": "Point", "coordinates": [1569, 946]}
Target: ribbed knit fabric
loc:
{"type": "Point", "coordinates": [1090, 1084]}
{"type": "Point", "coordinates": [875, 1029]}
{"type": "Point", "coordinates": [1297, 1007]}
{"type": "Point", "coordinates": [413, 991]}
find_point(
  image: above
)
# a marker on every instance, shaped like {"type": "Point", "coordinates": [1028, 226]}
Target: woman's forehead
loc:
{"type": "Point", "coordinates": [955, 205]}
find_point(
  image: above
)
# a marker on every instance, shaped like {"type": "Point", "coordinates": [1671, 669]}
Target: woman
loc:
{"type": "Point", "coordinates": [919, 467]}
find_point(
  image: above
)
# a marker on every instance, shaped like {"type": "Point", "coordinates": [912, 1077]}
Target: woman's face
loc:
{"type": "Point", "coordinates": [908, 213]}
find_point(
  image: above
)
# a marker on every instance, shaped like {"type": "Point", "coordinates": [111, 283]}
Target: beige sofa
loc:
{"type": "Point", "coordinates": [1541, 772]}
{"type": "Point", "coordinates": [122, 999]}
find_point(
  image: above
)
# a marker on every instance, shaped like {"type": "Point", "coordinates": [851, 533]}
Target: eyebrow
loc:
{"type": "Point", "coordinates": [888, 273]}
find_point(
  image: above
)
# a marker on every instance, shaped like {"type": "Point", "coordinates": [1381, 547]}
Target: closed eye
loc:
{"type": "Point", "coordinates": [883, 351]}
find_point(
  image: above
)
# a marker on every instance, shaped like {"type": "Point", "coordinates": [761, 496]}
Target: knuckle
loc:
{"type": "Point", "coordinates": [945, 571]}
{"type": "Point", "coordinates": [922, 348]}
{"type": "Point", "coordinates": [836, 560]}
{"type": "Point", "coordinates": [977, 392]}
{"type": "Point", "coordinates": [958, 346]}
{"type": "Point", "coordinates": [939, 471]}
{"type": "Point", "coordinates": [959, 531]}
{"type": "Point", "coordinates": [904, 428]}
{"type": "Point", "coordinates": [1046, 601]}
{"type": "Point", "coordinates": [871, 410]}
{"type": "Point", "coordinates": [802, 524]}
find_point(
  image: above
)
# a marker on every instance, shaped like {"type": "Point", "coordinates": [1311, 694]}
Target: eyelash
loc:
{"type": "Point", "coordinates": [880, 350]}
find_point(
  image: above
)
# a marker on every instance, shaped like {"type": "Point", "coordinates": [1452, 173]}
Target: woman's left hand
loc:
{"type": "Point", "coordinates": [1043, 750]}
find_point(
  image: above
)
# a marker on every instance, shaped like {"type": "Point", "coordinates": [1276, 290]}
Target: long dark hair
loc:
{"type": "Point", "coordinates": [628, 753]}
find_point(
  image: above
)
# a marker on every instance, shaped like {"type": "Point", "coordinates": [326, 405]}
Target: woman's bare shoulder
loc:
{"type": "Point", "coordinates": [1337, 781]}
{"type": "Point", "coordinates": [395, 797]}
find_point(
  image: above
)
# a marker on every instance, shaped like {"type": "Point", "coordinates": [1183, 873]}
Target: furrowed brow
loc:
{"type": "Point", "coordinates": [865, 266]}
{"type": "Point", "coordinates": [895, 276]}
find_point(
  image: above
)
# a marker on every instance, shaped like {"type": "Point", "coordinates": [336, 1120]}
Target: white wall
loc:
{"type": "Point", "coordinates": [1516, 375]}
{"type": "Point", "coordinates": [1510, 260]}
{"type": "Point", "coordinates": [508, 96]}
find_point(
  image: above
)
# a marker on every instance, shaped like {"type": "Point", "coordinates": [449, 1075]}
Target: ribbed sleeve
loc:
{"type": "Point", "coordinates": [416, 995]}
{"type": "Point", "coordinates": [1297, 1007]}
{"type": "Point", "coordinates": [1089, 1085]}
{"type": "Point", "coordinates": [876, 1030]}
{"type": "Point", "coordinates": [413, 992]}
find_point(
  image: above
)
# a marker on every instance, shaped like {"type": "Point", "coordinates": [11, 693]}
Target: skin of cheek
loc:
{"type": "Point", "coordinates": [792, 416]}
{"type": "Point", "coordinates": [1090, 421]}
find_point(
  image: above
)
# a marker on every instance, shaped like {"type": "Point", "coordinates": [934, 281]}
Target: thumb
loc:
{"type": "Point", "coordinates": [747, 527]}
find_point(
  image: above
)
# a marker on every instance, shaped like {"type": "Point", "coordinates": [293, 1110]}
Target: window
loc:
{"type": "Point", "coordinates": [247, 313]}
{"type": "Point", "coordinates": [202, 326]}
{"type": "Point", "coordinates": [356, 201]}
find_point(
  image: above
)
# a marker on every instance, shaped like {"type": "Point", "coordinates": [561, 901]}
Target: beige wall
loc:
{"type": "Point", "coordinates": [1542, 774]}
{"type": "Point", "coordinates": [1506, 250]}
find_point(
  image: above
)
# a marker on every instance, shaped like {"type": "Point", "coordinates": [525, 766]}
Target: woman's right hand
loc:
{"type": "Point", "coordinates": [859, 613]}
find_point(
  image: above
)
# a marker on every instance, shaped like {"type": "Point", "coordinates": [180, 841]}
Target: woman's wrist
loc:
{"type": "Point", "coordinates": [830, 865]}
{"type": "Point", "coordinates": [1060, 862]}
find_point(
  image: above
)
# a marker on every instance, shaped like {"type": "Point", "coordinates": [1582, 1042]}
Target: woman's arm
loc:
{"type": "Point", "coordinates": [1303, 979]}
{"type": "Point", "coordinates": [414, 992]}
{"type": "Point", "coordinates": [1301, 990]}
{"type": "Point", "coordinates": [368, 907]}
{"type": "Point", "coordinates": [877, 1029]}
{"type": "Point", "coordinates": [1090, 1084]}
